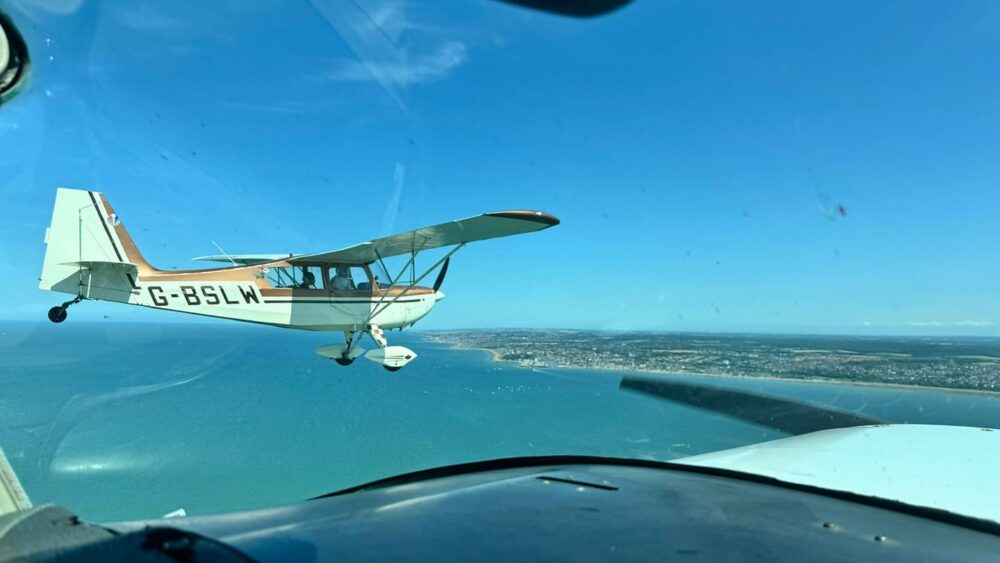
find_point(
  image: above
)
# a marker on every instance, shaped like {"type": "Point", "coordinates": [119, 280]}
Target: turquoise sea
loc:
{"type": "Point", "coordinates": [125, 421]}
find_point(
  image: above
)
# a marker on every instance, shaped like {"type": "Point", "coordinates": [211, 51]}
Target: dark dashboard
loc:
{"type": "Point", "coordinates": [539, 509]}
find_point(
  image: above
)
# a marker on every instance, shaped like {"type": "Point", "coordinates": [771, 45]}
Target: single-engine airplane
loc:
{"type": "Point", "coordinates": [90, 255]}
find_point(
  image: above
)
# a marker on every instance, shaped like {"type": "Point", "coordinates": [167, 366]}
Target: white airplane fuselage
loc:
{"type": "Point", "coordinates": [91, 255]}
{"type": "Point", "coordinates": [251, 300]}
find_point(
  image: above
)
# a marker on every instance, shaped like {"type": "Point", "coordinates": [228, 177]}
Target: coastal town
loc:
{"type": "Point", "coordinates": [958, 363]}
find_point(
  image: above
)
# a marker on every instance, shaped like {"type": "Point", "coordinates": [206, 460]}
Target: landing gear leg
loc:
{"type": "Point", "coordinates": [345, 359]}
{"type": "Point", "coordinates": [58, 314]}
{"type": "Point", "coordinates": [392, 358]}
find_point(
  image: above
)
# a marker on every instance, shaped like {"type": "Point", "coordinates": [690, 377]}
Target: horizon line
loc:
{"type": "Point", "coordinates": [717, 332]}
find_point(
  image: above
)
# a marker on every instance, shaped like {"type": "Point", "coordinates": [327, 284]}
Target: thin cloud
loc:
{"type": "Point", "coordinates": [934, 323]}
{"type": "Point", "coordinates": [392, 207]}
{"type": "Point", "coordinates": [390, 19]}
{"type": "Point", "coordinates": [427, 67]}
{"type": "Point", "coordinates": [948, 323]}
{"type": "Point", "coordinates": [380, 36]}
{"type": "Point", "coordinates": [144, 17]}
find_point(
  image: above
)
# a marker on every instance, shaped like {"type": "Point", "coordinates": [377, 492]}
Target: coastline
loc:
{"type": "Point", "coordinates": [496, 358]}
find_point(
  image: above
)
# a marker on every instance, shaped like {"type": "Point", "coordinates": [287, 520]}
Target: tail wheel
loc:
{"type": "Point", "coordinates": [390, 368]}
{"type": "Point", "coordinates": [57, 314]}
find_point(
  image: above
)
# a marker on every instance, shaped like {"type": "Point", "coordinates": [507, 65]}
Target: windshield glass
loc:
{"type": "Point", "coordinates": [794, 199]}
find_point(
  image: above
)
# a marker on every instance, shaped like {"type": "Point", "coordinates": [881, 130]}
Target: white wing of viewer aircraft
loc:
{"type": "Point", "coordinates": [90, 255]}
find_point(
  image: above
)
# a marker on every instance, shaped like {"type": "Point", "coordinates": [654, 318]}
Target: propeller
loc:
{"type": "Point", "coordinates": [441, 274]}
{"type": "Point", "coordinates": [785, 415]}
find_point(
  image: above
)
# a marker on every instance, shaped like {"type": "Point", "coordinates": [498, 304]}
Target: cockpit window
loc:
{"type": "Point", "coordinates": [348, 278]}
{"type": "Point", "coordinates": [312, 277]}
{"type": "Point", "coordinates": [295, 277]}
{"type": "Point", "coordinates": [381, 276]}
{"type": "Point", "coordinates": [282, 277]}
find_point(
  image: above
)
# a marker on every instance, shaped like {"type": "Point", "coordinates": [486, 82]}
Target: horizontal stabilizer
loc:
{"type": "Point", "coordinates": [123, 267]}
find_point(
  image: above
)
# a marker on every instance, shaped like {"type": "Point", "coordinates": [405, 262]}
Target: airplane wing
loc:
{"type": "Point", "coordinates": [244, 259]}
{"type": "Point", "coordinates": [481, 227]}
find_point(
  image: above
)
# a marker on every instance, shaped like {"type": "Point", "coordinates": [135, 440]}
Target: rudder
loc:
{"type": "Point", "coordinates": [82, 234]}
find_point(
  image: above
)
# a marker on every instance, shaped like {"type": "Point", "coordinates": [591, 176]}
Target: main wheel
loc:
{"type": "Point", "coordinates": [57, 314]}
{"type": "Point", "coordinates": [390, 368]}
{"type": "Point", "coordinates": [344, 361]}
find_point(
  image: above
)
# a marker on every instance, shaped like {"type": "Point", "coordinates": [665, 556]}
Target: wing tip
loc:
{"type": "Point", "coordinates": [528, 215]}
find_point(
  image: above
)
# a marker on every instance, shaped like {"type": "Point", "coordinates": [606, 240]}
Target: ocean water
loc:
{"type": "Point", "coordinates": [125, 421]}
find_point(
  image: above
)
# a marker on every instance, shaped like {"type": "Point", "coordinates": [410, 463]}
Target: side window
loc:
{"type": "Point", "coordinates": [311, 277]}
{"type": "Point", "coordinates": [296, 277]}
{"type": "Point", "coordinates": [348, 278]}
{"type": "Point", "coordinates": [282, 277]}
{"type": "Point", "coordinates": [382, 277]}
{"type": "Point", "coordinates": [360, 278]}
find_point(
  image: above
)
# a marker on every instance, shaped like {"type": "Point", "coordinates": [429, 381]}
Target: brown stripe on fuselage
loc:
{"type": "Point", "coordinates": [104, 223]}
{"type": "Point", "coordinates": [297, 292]}
{"type": "Point", "coordinates": [396, 290]}
{"type": "Point", "coordinates": [242, 273]}
{"type": "Point", "coordinates": [132, 253]}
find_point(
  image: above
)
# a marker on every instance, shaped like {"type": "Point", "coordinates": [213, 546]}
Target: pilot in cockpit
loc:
{"type": "Point", "coordinates": [308, 280]}
{"type": "Point", "coordinates": [342, 280]}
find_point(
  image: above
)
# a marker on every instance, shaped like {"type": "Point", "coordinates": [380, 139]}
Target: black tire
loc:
{"type": "Point", "coordinates": [344, 361]}
{"type": "Point", "coordinates": [57, 314]}
{"type": "Point", "coordinates": [390, 368]}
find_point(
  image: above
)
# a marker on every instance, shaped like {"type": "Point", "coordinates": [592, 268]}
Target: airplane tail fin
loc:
{"type": "Point", "coordinates": [88, 251]}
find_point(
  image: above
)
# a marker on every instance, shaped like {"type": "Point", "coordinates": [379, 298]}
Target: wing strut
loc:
{"type": "Point", "coordinates": [392, 281]}
{"type": "Point", "coordinates": [377, 309]}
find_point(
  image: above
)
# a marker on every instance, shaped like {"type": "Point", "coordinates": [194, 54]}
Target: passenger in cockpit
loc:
{"type": "Point", "coordinates": [342, 280]}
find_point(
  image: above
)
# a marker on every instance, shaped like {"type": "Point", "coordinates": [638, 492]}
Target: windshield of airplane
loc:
{"type": "Point", "coordinates": [791, 199]}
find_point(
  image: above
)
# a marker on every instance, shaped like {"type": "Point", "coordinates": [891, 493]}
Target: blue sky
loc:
{"type": "Point", "coordinates": [698, 153]}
